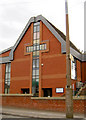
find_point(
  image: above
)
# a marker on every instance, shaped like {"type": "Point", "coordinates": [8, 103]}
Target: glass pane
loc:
{"type": "Point", "coordinates": [34, 36]}
{"type": "Point", "coordinates": [38, 27]}
{"type": "Point", "coordinates": [40, 47]}
{"type": "Point", "coordinates": [6, 75]}
{"type": "Point", "coordinates": [34, 28]}
{"type": "Point", "coordinates": [27, 49]}
{"type": "Point", "coordinates": [37, 47]}
{"type": "Point", "coordinates": [36, 42]}
{"type": "Point", "coordinates": [37, 23]}
{"type": "Point", "coordinates": [45, 46]}
{"type": "Point", "coordinates": [37, 53]}
{"type": "Point", "coordinates": [37, 72]}
{"type": "Point", "coordinates": [35, 76]}
{"type": "Point", "coordinates": [33, 82]}
{"type": "Point", "coordinates": [34, 48]}
{"type": "Point", "coordinates": [8, 90]}
{"type": "Point", "coordinates": [5, 90]}
{"type": "Point", "coordinates": [6, 67]}
{"type": "Point", "coordinates": [37, 82]}
{"type": "Point", "coordinates": [34, 53]}
{"type": "Point", "coordinates": [34, 62]}
{"type": "Point", "coordinates": [38, 35]}
{"type": "Point", "coordinates": [34, 72]}
{"type": "Point", "coordinates": [9, 75]}
{"type": "Point", "coordinates": [8, 83]}
{"type": "Point", "coordinates": [31, 49]}
{"type": "Point", "coordinates": [37, 65]}
{"type": "Point", "coordinates": [9, 69]}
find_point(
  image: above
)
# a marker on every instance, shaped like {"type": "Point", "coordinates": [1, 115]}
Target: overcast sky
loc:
{"type": "Point", "coordinates": [14, 15]}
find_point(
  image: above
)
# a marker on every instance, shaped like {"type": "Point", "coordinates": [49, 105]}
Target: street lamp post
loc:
{"type": "Point", "coordinates": [69, 96]}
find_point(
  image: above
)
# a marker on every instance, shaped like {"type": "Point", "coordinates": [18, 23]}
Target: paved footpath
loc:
{"type": "Point", "coordinates": [28, 114]}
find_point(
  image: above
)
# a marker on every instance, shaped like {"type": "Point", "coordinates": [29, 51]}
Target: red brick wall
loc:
{"type": "Point", "coordinates": [43, 104]}
{"type": "Point", "coordinates": [20, 66]}
{"type": "Point", "coordinates": [53, 71]}
{"type": "Point", "coordinates": [2, 77]}
{"type": "Point", "coordinates": [51, 78]}
{"type": "Point", "coordinates": [79, 74]}
{"type": "Point", "coordinates": [83, 71]}
{"type": "Point", "coordinates": [78, 71]}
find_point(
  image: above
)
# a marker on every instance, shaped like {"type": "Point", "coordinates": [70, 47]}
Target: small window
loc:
{"type": "Point", "coordinates": [25, 90]}
{"type": "Point", "coordinates": [47, 92]}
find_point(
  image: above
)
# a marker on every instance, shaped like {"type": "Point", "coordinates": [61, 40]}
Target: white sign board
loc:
{"type": "Point", "coordinates": [59, 90]}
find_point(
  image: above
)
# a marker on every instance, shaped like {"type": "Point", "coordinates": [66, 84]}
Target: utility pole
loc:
{"type": "Point", "coordinates": [69, 96]}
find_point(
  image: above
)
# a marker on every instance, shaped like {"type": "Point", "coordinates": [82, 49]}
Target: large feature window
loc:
{"type": "Point", "coordinates": [7, 78]}
{"type": "Point", "coordinates": [35, 48]}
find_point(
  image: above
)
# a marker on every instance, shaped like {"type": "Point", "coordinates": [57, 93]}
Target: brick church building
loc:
{"type": "Point", "coordinates": [36, 64]}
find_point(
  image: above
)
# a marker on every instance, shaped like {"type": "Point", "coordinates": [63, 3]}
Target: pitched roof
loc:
{"type": "Point", "coordinates": [64, 37]}
{"type": "Point", "coordinates": [6, 50]}
{"type": "Point", "coordinates": [56, 32]}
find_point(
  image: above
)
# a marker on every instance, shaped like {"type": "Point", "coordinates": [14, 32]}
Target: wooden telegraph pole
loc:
{"type": "Point", "coordinates": [69, 96]}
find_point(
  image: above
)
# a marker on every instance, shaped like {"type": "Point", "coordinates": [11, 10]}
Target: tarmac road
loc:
{"type": "Point", "coordinates": [26, 114]}
{"type": "Point", "coordinates": [14, 117]}
{"type": "Point", "coordinates": [40, 119]}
